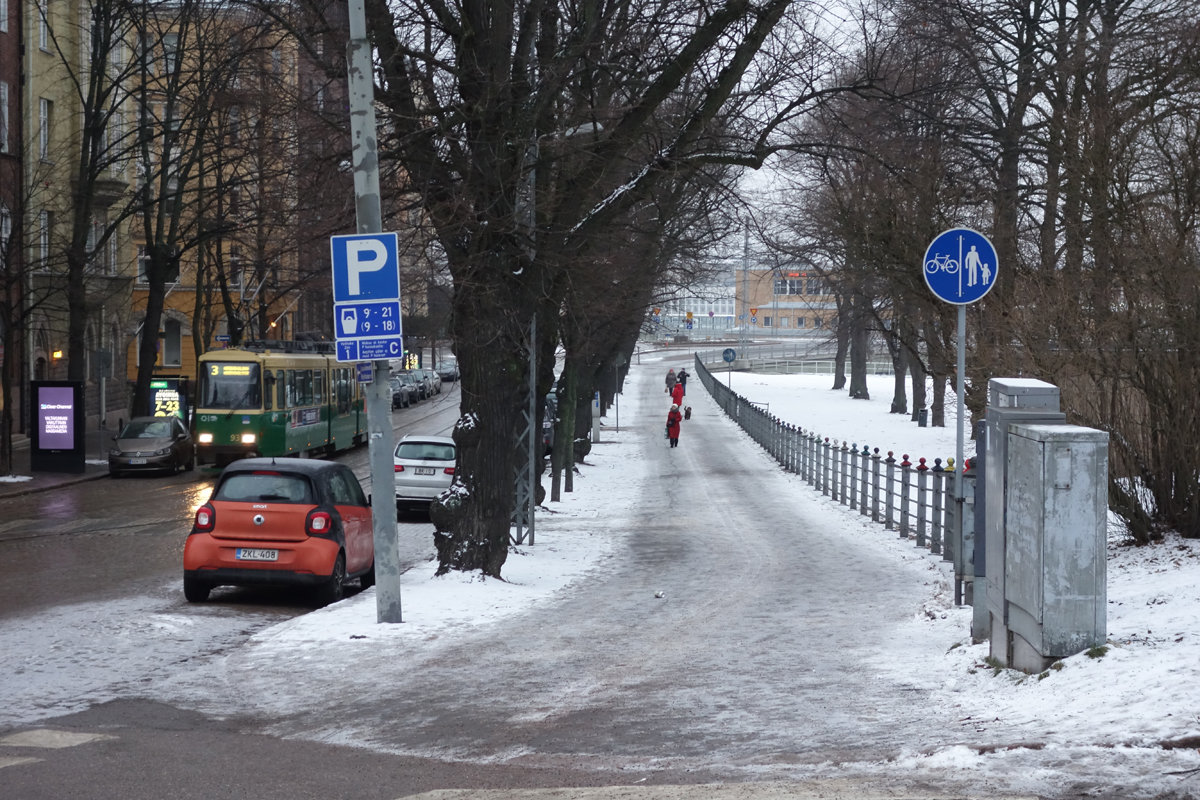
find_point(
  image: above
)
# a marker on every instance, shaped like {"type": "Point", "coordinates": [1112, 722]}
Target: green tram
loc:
{"type": "Point", "coordinates": [272, 400]}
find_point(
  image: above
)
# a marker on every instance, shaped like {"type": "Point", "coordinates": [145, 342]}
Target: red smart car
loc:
{"type": "Point", "coordinates": [281, 521]}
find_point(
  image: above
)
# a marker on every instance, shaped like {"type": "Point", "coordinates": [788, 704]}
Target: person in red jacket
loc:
{"type": "Point", "coordinates": [677, 394]}
{"type": "Point", "coordinates": [673, 419]}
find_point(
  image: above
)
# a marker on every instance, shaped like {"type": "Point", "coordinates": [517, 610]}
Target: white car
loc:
{"type": "Point", "coordinates": [424, 467]}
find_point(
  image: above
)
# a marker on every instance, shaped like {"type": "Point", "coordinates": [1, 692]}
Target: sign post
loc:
{"type": "Point", "coordinates": [960, 267]}
{"type": "Point", "coordinates": [729, 355]}
{"type": "Point", "coordinates": [366, 324]}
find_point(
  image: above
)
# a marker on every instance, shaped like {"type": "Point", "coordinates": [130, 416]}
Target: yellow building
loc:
{"type": "Point", "coordinates": [783, 301]}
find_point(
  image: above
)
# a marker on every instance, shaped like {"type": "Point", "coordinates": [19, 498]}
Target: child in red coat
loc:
{"type": "Point", "coordinates": [673, 419]}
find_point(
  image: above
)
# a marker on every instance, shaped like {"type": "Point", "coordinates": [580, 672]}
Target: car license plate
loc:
{"type": "Point", "coordinates": [256, 554]}
{"type": "Point", "coordinates": [137, 461]}
{"type": "Point", "coordinates": [424, 470]}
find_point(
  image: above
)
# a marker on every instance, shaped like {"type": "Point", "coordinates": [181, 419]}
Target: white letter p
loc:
{"type": "Point", "coordinates": [363, 255]}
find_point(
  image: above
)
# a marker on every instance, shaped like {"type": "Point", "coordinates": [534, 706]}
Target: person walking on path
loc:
{"type": "Point", "coordinates": [673, 418]}
{"type": "Point", "coordinates": [682, 378]}
{"type": "Point", "coordinates": [677, 395]}
{"type": "Point", "coordinates": [670, 380]}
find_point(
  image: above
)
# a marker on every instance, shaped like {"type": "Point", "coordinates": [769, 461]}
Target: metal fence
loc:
{"type": "Point", "coordinates": [914, 498]}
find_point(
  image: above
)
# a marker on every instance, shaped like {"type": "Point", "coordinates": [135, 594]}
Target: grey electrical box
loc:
{"type": "Point", "coordinates": [1055, 555]}
{"type": "Point", "coordinates": [1010, 401]}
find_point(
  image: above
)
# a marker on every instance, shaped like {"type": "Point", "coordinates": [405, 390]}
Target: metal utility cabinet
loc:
{"type": "Point", "coordinates": [1010, 401]}
{"type": "Point", "coordinates": [1055, 559]}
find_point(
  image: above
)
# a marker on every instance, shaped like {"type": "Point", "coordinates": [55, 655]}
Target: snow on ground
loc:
{"type": "Point", "coordinates": [1141, 691]}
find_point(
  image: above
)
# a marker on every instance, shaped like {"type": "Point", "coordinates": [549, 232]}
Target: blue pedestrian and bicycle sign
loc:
{"type": "Point", "coordinates": [960, 266]}
{"type": "Point", "coordinates": [366, 296]}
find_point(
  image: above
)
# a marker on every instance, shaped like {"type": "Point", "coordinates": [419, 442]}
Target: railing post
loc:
{"type": "Point", "coordinates": [824, 466]}
{"type": "Point", "coordinates": [889, 509]}
{"type": "Point", "coordinates": [922, 501]}
{"type": "Point", "coordinates": [852, 455]}
{"type": "Point", "coordinates": [905, 485]}
{"type": "Point", "coordinates": [864, 481]}
{"type": "Point", "coordinates": [952, 527]}
{"type": "Point", "coordinates": [875, 485]}
{"type": "Point", "coordinates": [843, 474]}
{"type": "Point", "coordinates": [936, 521]}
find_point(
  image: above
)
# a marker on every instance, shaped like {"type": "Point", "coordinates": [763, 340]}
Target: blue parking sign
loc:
{"type": "Point", "coordinates": [366, 296]}
{"type": "Point", "coordinates": [960, 266]}
{"type": "Point", "coordinates": [365, 267]}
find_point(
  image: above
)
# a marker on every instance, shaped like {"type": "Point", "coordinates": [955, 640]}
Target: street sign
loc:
{"type": "Point", "coordinates": [729, 354]}
{"type": "Point", "coordinates": [960, 266]}
{"type": "Point", "coordinates": [365, 372]}
{"type": "Point", "coordinates": [366, 296]}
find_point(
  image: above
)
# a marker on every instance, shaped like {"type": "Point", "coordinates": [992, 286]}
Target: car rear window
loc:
{"type": "Point", "coordinates": [425, 451]}
{"type": "Point", "coordinates": [264, 487]}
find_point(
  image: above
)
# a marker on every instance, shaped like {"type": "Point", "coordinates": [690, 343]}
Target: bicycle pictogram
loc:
{"type": "Point", "coordinates": [941, 262]}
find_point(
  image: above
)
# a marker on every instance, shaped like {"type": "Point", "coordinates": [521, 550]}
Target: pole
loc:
{"type": "Point", "coordinates": [365, 158]}
{"type": "Point", "coordinates": [959, 384]}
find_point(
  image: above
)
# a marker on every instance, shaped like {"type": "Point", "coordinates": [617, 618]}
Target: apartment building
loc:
{"type": "Point", "coordinates": [189, 163]}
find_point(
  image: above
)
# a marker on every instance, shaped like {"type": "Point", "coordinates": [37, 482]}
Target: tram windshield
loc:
{"type": "Point", "coordinates": [228, 384]}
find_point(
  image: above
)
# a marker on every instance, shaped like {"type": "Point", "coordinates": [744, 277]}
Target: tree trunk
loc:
{"type": "Point", "coordinates": [490, 341]}
{"type": "Point", "coordinates": [860, 337]}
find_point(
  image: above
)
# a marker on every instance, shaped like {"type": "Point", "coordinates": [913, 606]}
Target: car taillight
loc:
{"type": "Point", "coordinates": [449, 470]}
{"type": "Point", "coordinates": [206, 518]}
{"type": "Point", "coordinates": [319, 523]}
{"type": "Point", "coordinates": [398, 468]}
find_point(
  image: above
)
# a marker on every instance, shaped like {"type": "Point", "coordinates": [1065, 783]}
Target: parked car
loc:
{"type": "Point", "coordinates": [415, 389]}
{"type": "Point", "coordinates": [422, 383]}
{"type": "Point", "coordinates": [281, 522]}
{"type": "Point", "coordinates": [447, 370]}
{"type": "Point", "coordinates": [152, 444]}
{"type": "Point", "coordinates": [424, 467]}
{"type": "Point", "coordinates": [435, 380]}
{"type": "Point", "coordinates": [401, 392]}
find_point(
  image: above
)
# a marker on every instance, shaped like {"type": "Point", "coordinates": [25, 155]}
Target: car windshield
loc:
{"type": "Point", "coordinates": [147, 429]}
{"type": "Point", "coordinates": [264, 487]}
{"type": "Point", "coordinates": [230, 385]}
{"type": "Point", "coordinates": [425, 451]}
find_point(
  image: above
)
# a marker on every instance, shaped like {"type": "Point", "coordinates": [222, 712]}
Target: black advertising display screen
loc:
{"type": "Point", "coordinates": [55, 417]}
{"type": "Point", "coordinates": [57, 427]}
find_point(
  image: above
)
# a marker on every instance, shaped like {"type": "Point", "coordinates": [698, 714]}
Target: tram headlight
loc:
{"type": "Point", "coordinates": [249, 438]}
{"type": "Point", "coordinates": [205, 438]}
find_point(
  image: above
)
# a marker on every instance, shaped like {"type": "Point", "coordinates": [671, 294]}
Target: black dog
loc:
{"type": "Point", "coordinates": [687, 412]}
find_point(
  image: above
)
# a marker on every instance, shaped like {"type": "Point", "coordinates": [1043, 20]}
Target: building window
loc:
{"type": "Point", "coordinates": [766, 322]}
{"type": "Point", "coordinates": [43, 12]}
{"type": "Point", "coordinates": [789, 286]}
{"type": "Point", "coordinates": [5, 233]}
{"type": "Point", "coordinates": [234, 273]}
{"type": "Point", "coordinates": [170, 52]}
{"type": "Point", "coordinates": [172, 348]}
{"type": "Point", "coordinates": [816, 286]}
{"type": "Point", "coordinates": [144, 264]}
{"type": "Point", "coordinates": [146, 55]}
{"type": "Point", "coordinates": [3, 113]}
{"type": "Point", "coordinates": [143, 271]}
{"type": "Point", "coordinates": [45, 119]}
{"type": "Point", "coordinates": [799, 322]}
{"type": "Point", "coordinates": [45, 220]}
{"type": "Point", "coordinates": [3, 16]}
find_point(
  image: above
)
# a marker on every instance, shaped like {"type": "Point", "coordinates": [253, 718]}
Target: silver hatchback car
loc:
{"type": "Point", "coordinates": [424, 467]}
